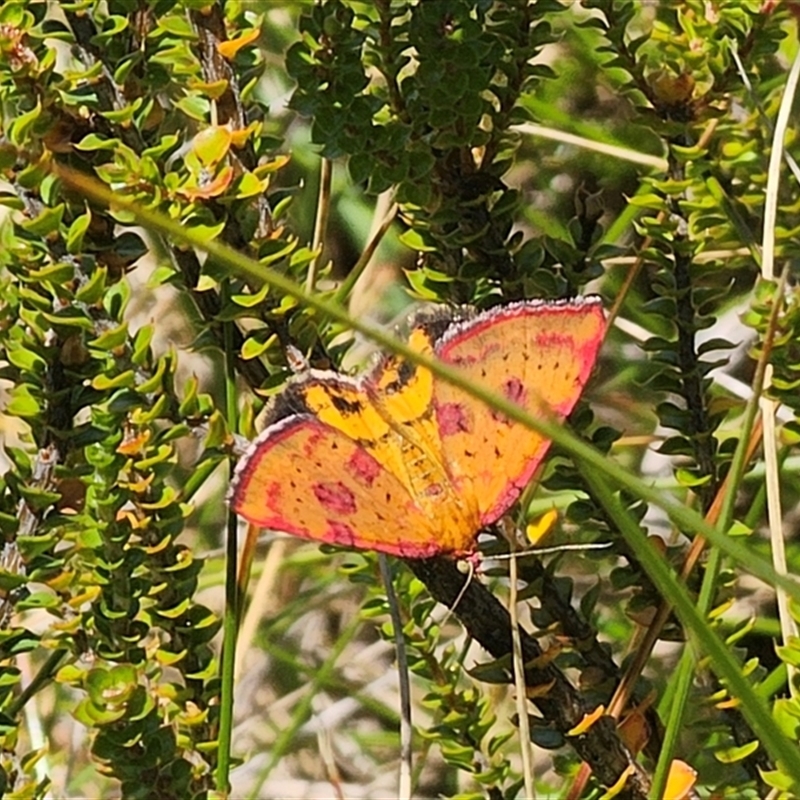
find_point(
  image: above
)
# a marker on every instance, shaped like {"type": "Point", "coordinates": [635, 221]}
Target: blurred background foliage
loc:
{"type": "Point", "coordinates": [499, 150]}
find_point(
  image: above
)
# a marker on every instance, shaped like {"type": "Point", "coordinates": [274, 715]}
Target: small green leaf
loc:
{"type": "Point", "coordinates": [8, 524]}
{"type": "Point", "coordinates": [69, 318]}
{"type": "Point", "coordinates": [206, 283]}
{"type": "Point", "coordinates": [730, 755]}
{"type": "Point", "coordinates": [46, 222]}
{"type": "Point", "coordinates": [32, 546]}
{"type": "Point", "coordinates": [92, 716]}
{"type": "Point", "coordinates": [207, 233]}
{"type": "Point", "coordinates": [23, 402]}
{"type": "Point", "coordinates": [188, 406]}
{"type": "Point", "coordinates": [302, 256]}
{"type": "Point", "coordinates": [8, 200]}
{"type": "Point", "coordinates": [173, 613]}
{"type": "Point", "coordinates": [61, 272]}
{"type": "Point", "coordinates": [248, 185]}
{"type": "Point", "coordinates": [15, 15]}
{"type": "Point", "coordinates": [104, 382]}
{"type": "Point", "coordinates": [11, 580]}
{"type": "Point", "coordinates": [92, 291]}
{"type": "Point", "coordinates": [124, 67]}
{"type": "Point", "coordinates": [113, 25]}
{"type": "Point", "coordinates": [24, 358]}
{"type": "Point", "coordinates": [204, 675]}
{"type": "Point", "coordinates": [251, 300]}
{"type": "Point", "coordinates": [739, 529]}
{"type": "Point", "coordinates": [194, 106]}
{"type": "Point", "coordinates": [141, 345]}
{"type": "Point", "coordinates": [76, 232]}
{"type": "Point", "coordinates": [790, 652]}
{"type": "Point", "coordinates": [211, 144]}
{"type": "Point", "coordinates": [155, 382]}
{"type": "Point", "coordinates": [111, 339]}
{"type": "Point", "coordinates": [414, 239]}
{"type": "Point", "coordinates": [39, 600]}
{"type": "Point", "coordinates": [687, 479]}
{"type": "Point", "coordinates": [123, 116]}
{"type": "Point", "coordinates": [176, 24]}
{"type": "Point", "coordinates": [160, 275]}
{"type": "Point", "coordinates": [145, 416]}
{"type": "Point", "coordinates": [282, 249]}
{"type": "Point", "coordinates": [20, 127]}
{"type": "Point", "coordinates": [253, 348]}
{"type": "Point", "coordinates": [779, 780]}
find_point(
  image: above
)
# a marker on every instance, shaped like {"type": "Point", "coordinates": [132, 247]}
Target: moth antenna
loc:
{"type": "Point", "coordinates": [556, 548]}
{"type": "Point", "coordinates": [470, 563]}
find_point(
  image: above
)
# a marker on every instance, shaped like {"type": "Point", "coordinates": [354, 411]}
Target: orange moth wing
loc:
{"type": "Point", "coordinates": [304, 477]}
{"type": "Point", "coordinates": [538, 355]}
{"type": "Point", "coordinates": [402, 462]}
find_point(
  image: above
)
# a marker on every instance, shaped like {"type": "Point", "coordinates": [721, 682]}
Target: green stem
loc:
{"type": "Point", "coordinates": [404, 683]}
{"type": "Point", "coordinates": [346, 286]}
{"type": "Point", "coordinates": [42, 677]}
{"type": "Point", "coordinates": [230, 623]}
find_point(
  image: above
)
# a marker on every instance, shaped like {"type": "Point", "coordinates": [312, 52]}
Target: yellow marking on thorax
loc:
{"type": "Point", "coordinates": [406, 402]}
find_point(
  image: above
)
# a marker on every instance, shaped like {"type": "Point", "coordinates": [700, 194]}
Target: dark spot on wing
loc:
{"type": "Point", "coordinates": [290, 402]}
{"type": "Point", "coordinates": [405, 373]}
{"type": "Point", "coordinates": [345, 406]}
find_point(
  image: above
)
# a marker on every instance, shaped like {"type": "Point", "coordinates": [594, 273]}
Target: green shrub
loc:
{"type": "Point", "coordinates": [131, 362]}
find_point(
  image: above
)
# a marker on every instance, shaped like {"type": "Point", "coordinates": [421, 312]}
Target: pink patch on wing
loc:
{"type": "Point", "coordinates": [464, 361]}
{"type": "Point", "coordinates": [554, 340]}
{"type": "Point", "coordinates": [452, 418]}
{"type": "Point", "coordinates": [340, 533]}
{"type": "Point", "coordinates": [405, 550]}
{"type": "Point", "coordinates": [336, 497]}
{"type": "Point", "coordinates": [311, 447]}
{"type": "Point", "coordinates": [364, 467]}
{"type": "Point", "coordinates": [274, 494]}
{"type": "Point", "coordinates": [515, 391]}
